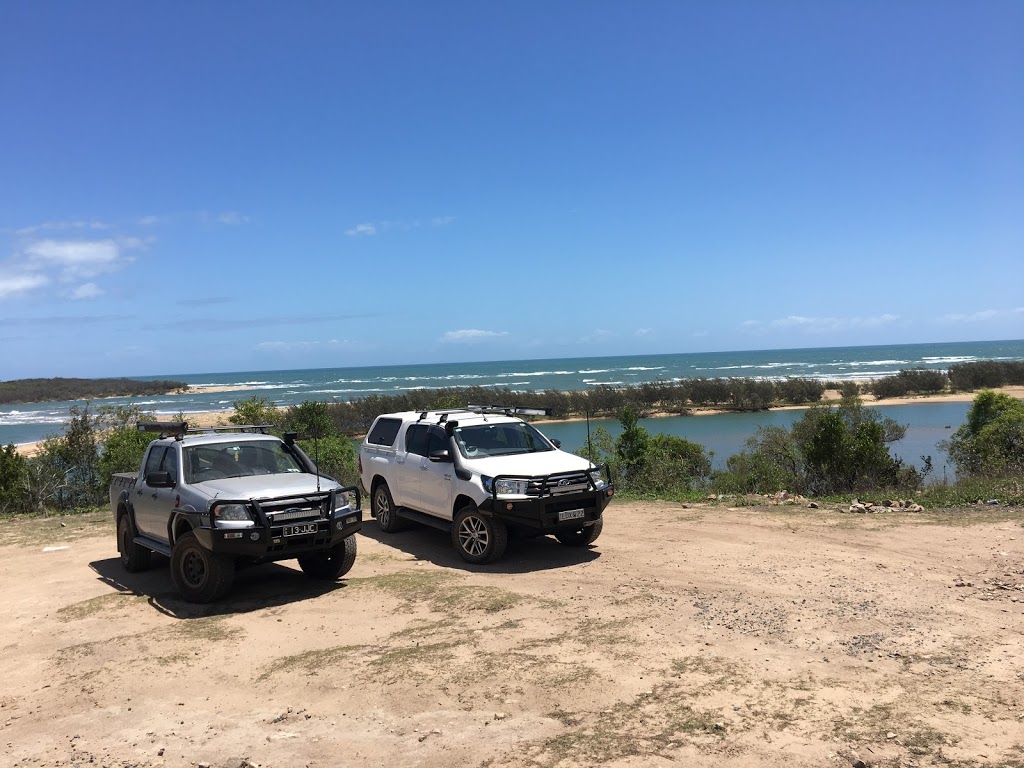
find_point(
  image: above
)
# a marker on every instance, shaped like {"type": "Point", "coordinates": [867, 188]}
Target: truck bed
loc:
{"type": "Point", "coordinates": [119, 482]}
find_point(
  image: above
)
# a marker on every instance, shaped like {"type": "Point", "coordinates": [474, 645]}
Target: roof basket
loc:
{"type": "Point", "coordinates": [509, 410]}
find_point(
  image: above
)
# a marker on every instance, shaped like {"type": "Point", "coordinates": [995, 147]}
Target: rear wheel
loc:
{"type": "Point", "coordinates": [332, 564]}
{"type": "Point", "coordinates": [581, 537]}
{"type": "Point", "coordinates": [383, 507]}
{"type": "Point", "coordinates": [478, 538]}
{"type": "Point", "coordinates": [134, 557]}
{"type": "Point", "coordinates": [200, 575]}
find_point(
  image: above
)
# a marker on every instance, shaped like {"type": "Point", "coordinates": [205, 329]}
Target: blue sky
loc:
{"type": "Point", "coordinates": [200, 187]}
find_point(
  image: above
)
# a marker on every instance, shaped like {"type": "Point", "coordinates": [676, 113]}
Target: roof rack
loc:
{"type": "Point", "coordinates": [181, 428]}
{"type": "Point", "coordinates": [504, 410]}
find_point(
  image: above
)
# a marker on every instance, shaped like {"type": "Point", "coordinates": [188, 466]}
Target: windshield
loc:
{"type": "Point", "coordinates": [500, 440]}
{"type": "Point", "coordinates": [215, 462]}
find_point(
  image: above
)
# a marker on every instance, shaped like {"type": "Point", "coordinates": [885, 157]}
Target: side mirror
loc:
{"type": "Point", "coordinates": [440, 456]}
{"type": "Point", "coordinates": [556, 442]}
{"type": "Point", "coordinates": [160, 480]}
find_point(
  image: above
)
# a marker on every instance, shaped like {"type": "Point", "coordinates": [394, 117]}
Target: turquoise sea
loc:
{"type": "Point", "coordinates": [723, 434]}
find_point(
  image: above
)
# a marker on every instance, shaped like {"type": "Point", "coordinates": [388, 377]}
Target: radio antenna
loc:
{"type": "Point", "coordinates": [590, 445]}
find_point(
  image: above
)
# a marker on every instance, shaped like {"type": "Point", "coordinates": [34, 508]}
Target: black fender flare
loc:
{"type": "Point", "coordinates": [182, 521]}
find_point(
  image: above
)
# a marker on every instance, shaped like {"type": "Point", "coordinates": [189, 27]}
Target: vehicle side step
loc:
{"type": "Point", "coordinates": [419, 517]}
{"type": "Point", "coordinates": [153, 544]}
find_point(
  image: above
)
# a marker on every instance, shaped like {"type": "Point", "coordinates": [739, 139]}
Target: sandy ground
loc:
{"type": "Point", "coordinates": [699, 635]}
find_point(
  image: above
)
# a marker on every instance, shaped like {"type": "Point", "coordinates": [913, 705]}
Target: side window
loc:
{"type": "Point", "coordinates": [416, 439]}
{"type": "Point", "coordinates": [438, 441]}
{"type": "Point", "coordinates": [153, 461]}
{"type": "Point", "coordinates": [170, 463]}
{"type": "Point", "coordinates": [384, 432]}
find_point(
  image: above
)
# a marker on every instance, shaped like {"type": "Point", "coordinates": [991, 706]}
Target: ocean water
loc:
{"type": "Point", "coordinates": [34, 421]}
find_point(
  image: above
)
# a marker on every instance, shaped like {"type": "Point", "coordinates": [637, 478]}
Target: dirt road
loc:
{"type": "Point", "coordinates": [706, 636]}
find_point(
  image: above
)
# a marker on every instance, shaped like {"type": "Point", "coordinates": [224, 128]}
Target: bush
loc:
{"type": "Point", "coordinates": [968, 377]}
{"type": "Point", "coordinates": [13, 475]}
{"type": "Point", "coordinates": [123, 450]}
{"type": "Point", "coordinates": [908, 382]}
{"type": "Point", "coordinates": [991, 442]}
{"type": "Point", "coordinates": [255, 410]}
{"type": "Point", "coordinates": [337, 457]}
{"type": "Point", "coordinates": [830, 450]}
{"type": "Point", "coordinates": [771, 462]}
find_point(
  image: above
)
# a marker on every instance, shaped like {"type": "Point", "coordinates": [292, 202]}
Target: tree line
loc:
{"type": "Point", "coordinates": [833, 449]}
{"type": "Point", "coordinates": [50, 390]}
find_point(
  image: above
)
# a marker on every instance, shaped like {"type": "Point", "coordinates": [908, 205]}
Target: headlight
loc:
{"type": "Point", "coordinates": [504, 487]}
{"type": "Point", "coordinates": [231, 513]}
{"type": "Point", "coordinates": [510, 487]}
{"type": "Point", "coordinates": [341, 501]}
{"type": "Point", "coordinates": [598, 478]}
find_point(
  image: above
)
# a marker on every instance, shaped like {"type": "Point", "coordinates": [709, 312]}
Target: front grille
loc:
{"type": "Point", "coordinates": [295, 509]}
{"type": "Point", "coordinates": [553, 485]}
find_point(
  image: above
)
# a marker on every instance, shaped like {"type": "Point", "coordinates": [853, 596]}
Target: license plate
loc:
{"type": "Point", "coordinates": [299, 530]}
{"type": "Point", "coordinates": [571, 514]}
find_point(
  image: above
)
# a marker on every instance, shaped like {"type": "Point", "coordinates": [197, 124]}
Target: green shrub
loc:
{"type": "Point", "coordinates": [255, 410]}
{"type": "Point", "coordinates": [909, 382]}
{"type": "Point", "coordinates": [13, 474]}
{"type": "Point", "coordinates": [991, 442]}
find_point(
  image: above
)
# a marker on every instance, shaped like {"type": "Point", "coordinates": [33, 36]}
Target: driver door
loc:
{"type": "Point", "coordinates": [153, 506]}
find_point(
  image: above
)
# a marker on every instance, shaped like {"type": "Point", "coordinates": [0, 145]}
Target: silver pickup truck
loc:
{"type": "Point", "coordinates": [215, 499]}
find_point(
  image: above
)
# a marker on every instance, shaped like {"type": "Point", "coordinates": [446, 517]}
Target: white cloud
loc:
{"type": "Point", "coordinates": [80, 259]}
{"type": "Point", "coordinates": [470, 336]}
{"type": "Point", "coordinates": [227, 218]}
{"type": "Point", "coordinates": [361, 229]}
{"type": "Point", "coordinates": [58, 226]}
{"type": "Point", "coordinates": [376, 227]}
{"type": "Point", "coordinates": [301, 346]}
{"type": "Point", "coordinates": [643, 332]}
{"type": "Point", "coordinates": [86, 291]}
{"type": "Point", "coordinates": [74, 253]}
{"type": "Point", "coordinates": [232, 218]}
{"type": "Point", "coordinates": [12, 285]}
{"type": "Point", "coordinates": [983, 315]}
{"type": "Point", "coordinates": [598, 335]}
{"type": "Point", "coordinates": [820, 324]}
{"type": "Point", "coordinates": [149, 221]}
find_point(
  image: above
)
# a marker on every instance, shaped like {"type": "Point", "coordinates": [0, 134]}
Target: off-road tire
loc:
{"type": "Point", "coordinates": [478, 538]}
{"type": "Point", "coordinates": [581, 537]}
{"type": "Point", "coordinates": [134, 557]}
{"type": "Point", "coordinates": [199, 575]}
{"type": "Point", "coordinates": [383, 508]}
{"type": "Point", "coordinates": [332, 564]}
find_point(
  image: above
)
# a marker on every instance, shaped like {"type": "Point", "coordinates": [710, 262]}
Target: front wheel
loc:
{"type": "Point", "coordinates": [383, 508]}
{"type": "Point", "coordinates": [200, 575]}
{"type": "Point", "coordinates": [478, 538]}
{"type": "Point", "coordinates": [583, 536]}
{"type": "Point", "coordinates": [134, 557]}
{"type": "Point", "coordinates": [332, 564]}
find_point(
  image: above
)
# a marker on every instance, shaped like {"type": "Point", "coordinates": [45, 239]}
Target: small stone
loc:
{"type": "Point", "coordinates": [500, 715]}
{"type": "Point", "coordinates": [890, 735]}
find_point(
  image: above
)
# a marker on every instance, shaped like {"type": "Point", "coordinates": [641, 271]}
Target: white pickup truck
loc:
{"type": "Point", "coordinates": [478, 472]}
